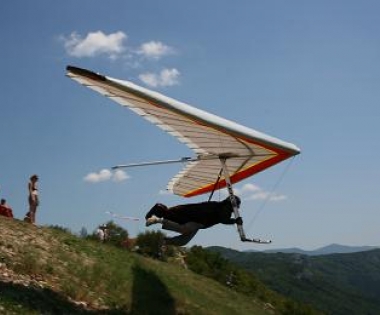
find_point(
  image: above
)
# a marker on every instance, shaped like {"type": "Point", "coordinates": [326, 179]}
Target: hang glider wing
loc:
{"type": "Point", "coordinates": [246, 151]}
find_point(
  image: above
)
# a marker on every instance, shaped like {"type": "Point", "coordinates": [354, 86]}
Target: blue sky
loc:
{"type": "Point", "coordinates": [306, 72]}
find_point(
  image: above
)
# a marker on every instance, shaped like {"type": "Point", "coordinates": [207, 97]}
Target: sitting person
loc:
{"type": "Point", "coordinates": [5, 210]}
{"type": "Point", "coordinates": [189, 218]}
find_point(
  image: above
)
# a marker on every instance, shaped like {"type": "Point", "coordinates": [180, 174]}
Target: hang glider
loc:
{"type": "Point", "coordinates": [220, 145]}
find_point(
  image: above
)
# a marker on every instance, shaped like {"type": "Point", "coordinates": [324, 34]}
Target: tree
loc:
{"type": "Point", "coordinates": [114, 234]}
{"type": "Point", "coordinates": [150, 243]}
{"type": "Point", "coordinates": [83, 232]}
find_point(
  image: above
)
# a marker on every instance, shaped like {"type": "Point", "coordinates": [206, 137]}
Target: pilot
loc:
{"type": "Point", "coordinates": [187, 219]}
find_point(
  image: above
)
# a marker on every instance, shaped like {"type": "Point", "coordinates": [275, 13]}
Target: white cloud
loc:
{"type": "Point", "coordinates": [120, 176]}
{"type": "Point", "coordinates": [101, 176]}
{"type": "Point", "coordinates": [164, 192]}
{"type": "Point", "coordinates": [250, 188]}
{"type": "Point", "coordinates": [114, 46]}
{"type": "Point", "coordinates": [155, 50]}
{"type": "Point", "coordinates": [106, 175]}
{"type": "Point", "coordinates": [253, 192]}
{"type": "Point", "coordinates": [167, 77]}
{"type": "Point", "coordinates": [277, 197]}
{"type": "Point", "coordinates": [95, 43]}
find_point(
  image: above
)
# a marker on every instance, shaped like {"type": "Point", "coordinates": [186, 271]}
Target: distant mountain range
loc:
{"type": "Point", "coordinates": [335, 279]}
{"type": "Point", "coordinates": [326, 250]}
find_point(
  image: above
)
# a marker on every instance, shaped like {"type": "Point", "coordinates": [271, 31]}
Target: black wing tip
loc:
{"type": "Point", "coordinates": [86, 73]}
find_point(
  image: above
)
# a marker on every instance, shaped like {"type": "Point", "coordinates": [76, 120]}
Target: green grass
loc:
{"type": "Point", "coordinates": [54, 272]}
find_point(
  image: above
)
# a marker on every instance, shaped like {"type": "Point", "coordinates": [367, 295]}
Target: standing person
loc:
{"type": "Point", "coordinates": [100, 233]}
{"type": "Point", "coordinates": [33, 199]}
{"type": "Point", "coordinates": [189, 218]}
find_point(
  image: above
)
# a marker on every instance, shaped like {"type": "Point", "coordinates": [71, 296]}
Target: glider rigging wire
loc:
{"type": "Point", "coordinates": [274, 188]}
{"type": "Point", "coordinates": [216, 185]}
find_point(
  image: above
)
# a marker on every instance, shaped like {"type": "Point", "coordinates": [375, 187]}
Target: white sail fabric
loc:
{"type": "Point", "coordinates": [246, 151]}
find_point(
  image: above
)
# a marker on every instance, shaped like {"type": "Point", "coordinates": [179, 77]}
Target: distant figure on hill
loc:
{"type": "Point", "coordinates": [189, 218]}
{"type": "Point", "coordinates": [102, 233]}
{"type": "Point", "coordinates": [33, 199]}
{"type": "Point", "coordinates": [5, 210]}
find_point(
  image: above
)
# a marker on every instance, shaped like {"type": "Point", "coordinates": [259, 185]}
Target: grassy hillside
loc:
{"type": "Point", "coordinates": [48, 271]}
{"type": "Point", "coordinates": [336, 284]}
